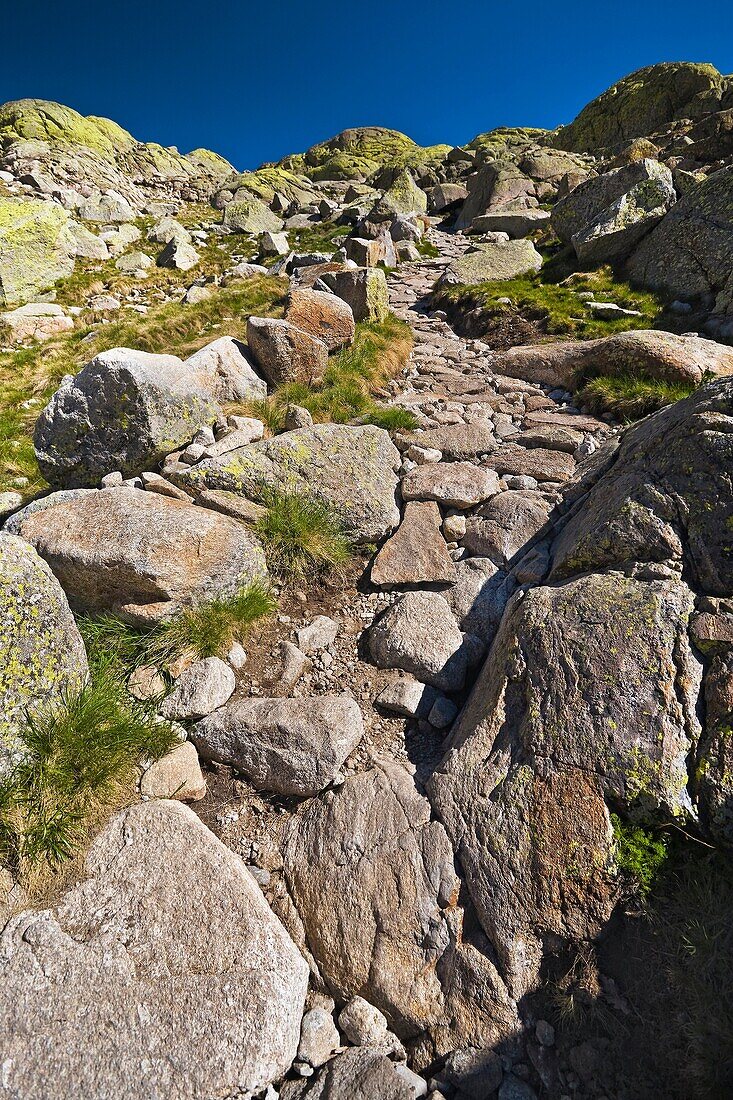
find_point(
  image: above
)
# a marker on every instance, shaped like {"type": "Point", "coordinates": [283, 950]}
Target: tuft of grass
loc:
{"type": "Point", "coordinates": [391, 417]}
{"type": "Point", "coordinates": [301, 534]}
{"type": "Point", "coordinates": [79, 760]}
{"type": "Point", "coordinates": [427, 249]}
{"type": "Point", "coordinates": [557, 309]}
{"type": "Point", "coordinates": [355, 374]}
{"type": "Point", "coordinates": [630, 396]}
{"type": "Point", "coordinates": [318, 237]}
{"type": "Point", "coordinates": [207, 630]}
{"type": "Point", "coordinates": [640, 854]}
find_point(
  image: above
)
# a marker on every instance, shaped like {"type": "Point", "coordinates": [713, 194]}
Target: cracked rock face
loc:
{"type": "Point", "coordinates": [548, 736]}
{"type": "Point", "coordinates": [372, 879]}
{"type": "Point", "coordinates": [163, 973]}
{"type": "Point", "coordinates": [667, 496]}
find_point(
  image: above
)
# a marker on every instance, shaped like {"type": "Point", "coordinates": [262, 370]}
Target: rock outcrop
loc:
{"type": "Point", "coordinates": [350, 468]}
{"type": "Point", "coordinates": [42, 657]}
{"type": "Point", "coordinates": [142, 555]}
{"type": "Point", "coordinates": [96, 989]}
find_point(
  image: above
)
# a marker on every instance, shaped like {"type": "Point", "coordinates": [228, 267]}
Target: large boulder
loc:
{"type": "Point", "coordinates": [647, 100]}
{"type": "Point", "coordinates": [285, 353]}
{"type": "Point", "coordinates": [418, 634]}
{"type": "Point", "coordinates": [613, 233]}
{"type": "Point", "coordinates": [142, 555]}
{"type": "Point", "coordinates": [491, 261]}
{"type": "Point", "coordinates": [163, 973]}
{"type": "Point", "coordinates": [651, 353]}
{"type": "Point", "coordinates": [353, 469]}
{"type": "Point", "coordinates": [37, 247]}
{"type": "Point", "coordinates": [403, 196]}
{"type": "Point", "coordinates": [666, 498]}
{"type": "Point", "coordinates": [288, 746]}
{"type": "Point", "coordinates": [372, 878]}
{"type": "Point", "coordinates": [323, 315]}
{"type": "Point", "coordinates": [498, 185]}
{"type": "Point", "coordinates": [515, 223]}
{"type": "Point", "coordinates": [364, 289]}
{"type": "Point", "coordinates": [548, 735]}
{"type": "Point", "coordinates": [247, 214]}
{"type": "Point", "coordinates": [688, 255]}
{"type": "Point", "coordinates": [42, 655]}
{"type": "Point", "coordinates": [125, 410]}
{"type": "Point", "coordinates": [223, 369]}
{"type": "Point", "coordinates": [576, 214]}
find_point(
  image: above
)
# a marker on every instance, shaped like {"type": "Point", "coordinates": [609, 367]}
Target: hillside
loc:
{"type": "Point", "coordinates": [366, 647]}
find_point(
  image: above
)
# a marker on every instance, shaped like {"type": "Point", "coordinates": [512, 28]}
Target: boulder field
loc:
{"type": "Point", "coordinates": [404, 837]}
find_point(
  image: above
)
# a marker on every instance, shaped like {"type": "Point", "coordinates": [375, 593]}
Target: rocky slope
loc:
{"type": "Point", "coordinates": [432, 788]}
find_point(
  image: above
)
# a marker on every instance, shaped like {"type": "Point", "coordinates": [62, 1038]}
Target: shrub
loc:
{"type": "Point", "coordinates": [301, 534]}
{"type": "Point", "coordinates": [79, 759]}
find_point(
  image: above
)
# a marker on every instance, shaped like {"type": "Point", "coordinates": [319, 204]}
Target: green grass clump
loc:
{"type": "Point", "coordinates": [630, 396]}
{"type": "Point", "coordinates": [427, 249]}
{"type": "Point", "coordinates": [640, 854]}
{"type": "Point", "coordinates": [353, 377]}
{"type": "Point", "coordinates": [355, 374]}
{"type": "Point", "coordinates": [392, 417]}
{"type": "Point", "coordinates": [558, 309]}
{"type": "Point", "coordinates": [209, 629]}
{"type": "Point", "coordinates": [80, 759]}
{"type": "Point", "coordinates": [318, 237]}
{"type": "Point", "coordinates": [301, 534]}
{"type": "Point", "coordinates": [206, 630]}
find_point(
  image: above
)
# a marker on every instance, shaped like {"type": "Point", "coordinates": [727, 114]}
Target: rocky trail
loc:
{"type": "Point", "coordinates": [366, 611]}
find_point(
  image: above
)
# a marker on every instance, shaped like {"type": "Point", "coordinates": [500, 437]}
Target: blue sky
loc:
{"type": "Point", "coordinates": [257, 81]}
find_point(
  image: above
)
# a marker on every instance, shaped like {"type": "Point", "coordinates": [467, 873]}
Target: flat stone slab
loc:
{"type": "Point", "coordinates": [417, 552]}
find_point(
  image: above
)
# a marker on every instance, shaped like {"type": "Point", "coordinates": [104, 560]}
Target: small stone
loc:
{"type": "Point", "coordinates": [319, 1037]}
{"type": "Point", "coordinates": [318, 635]}
{"type": "Point", "coordinates": [294, 665]}
{"type": "Point", "coordinates": [9, 502]}
{"type": "Point", "coordinates": [110, 480]}
{"type": "Point", "coordinates": [362, 1023]}
{"type": "Point", "coordinates": [422, 455]}
{"type": "Point", "coordinates": [442, 713]}
{"type": "Point", "coordinates": [454, 527]}
{"type": "Point", "coordinates": [201, 689]}
{"type": "Point", "coordinates": [237, 657]}
{"type": "Point", "coordinates": [177, 775]}
{"type": "Point", "coordinates": [545, 1033]}
{"type": "Point", "coordinates": [297, 417]}
{"type": "Point", "coordinates": [146, 683]}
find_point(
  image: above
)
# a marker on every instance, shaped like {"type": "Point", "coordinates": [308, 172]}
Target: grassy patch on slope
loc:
{"type": "Point", "coordinates": [558, 309]}
{"type": "Point", "coordinates": [33, 374]}
{"type": "Point", "coordinates": [353, 377]}
{"type": "Point", "coordinates": [81, 759]}
{"type": "Point", "coordinates": [630, 396]}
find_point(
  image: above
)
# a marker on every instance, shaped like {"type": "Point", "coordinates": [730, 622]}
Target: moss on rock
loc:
{"type": "Point", "coordinates": [36, 248]}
